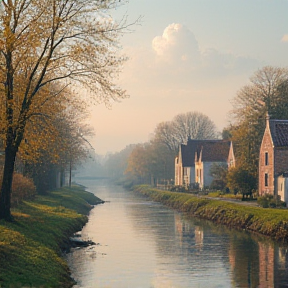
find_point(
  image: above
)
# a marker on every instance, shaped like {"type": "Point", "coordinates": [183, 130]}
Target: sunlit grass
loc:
{"type": "Point", "coordinates": [30, 247]}
{"type": "Point", "coordinates": [221, 195]}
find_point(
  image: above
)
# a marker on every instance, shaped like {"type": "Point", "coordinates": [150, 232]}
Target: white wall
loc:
{"type": "Point", "coordinates": [207, 178]}
{"type": "Point", "coordinates": [282, 188]}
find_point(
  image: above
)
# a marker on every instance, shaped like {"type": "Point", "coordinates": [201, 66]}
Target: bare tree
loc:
{"type": "Point", "coordinates": [192, 124]}
{"type": "Point", "coordinates": [42, 42]}
{"type": "Point", "coordinates": [266, 92]}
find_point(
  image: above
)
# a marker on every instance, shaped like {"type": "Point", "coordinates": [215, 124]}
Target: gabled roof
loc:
{"type": "Point", "coordinates": [279, 132]}
{"type": "Point", "coordinates": [188, 154]}
{"type": "Point", "coordinates": [212, 150]}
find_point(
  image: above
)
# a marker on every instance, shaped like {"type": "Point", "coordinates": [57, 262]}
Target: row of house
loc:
{"type": "Point", "coordinates": [195, 158]}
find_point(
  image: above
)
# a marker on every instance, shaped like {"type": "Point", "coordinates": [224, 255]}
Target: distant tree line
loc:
{"type": "Point", "coordinates": [153, 162]}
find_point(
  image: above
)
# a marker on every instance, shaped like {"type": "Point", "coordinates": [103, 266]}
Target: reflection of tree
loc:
{"type": "Point", "coordinates": [264, 263]}
{"type": "Point", "coordinates": [244, 266]}
{"type": "Point", "coordinates": [281, 267]}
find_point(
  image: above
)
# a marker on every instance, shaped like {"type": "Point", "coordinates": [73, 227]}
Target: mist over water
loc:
{"type": "Point", "coordinates": [145, 244]}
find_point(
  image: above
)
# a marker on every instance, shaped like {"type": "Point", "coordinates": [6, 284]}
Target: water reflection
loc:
{"type": "Point", "coordinates": [144, 244]}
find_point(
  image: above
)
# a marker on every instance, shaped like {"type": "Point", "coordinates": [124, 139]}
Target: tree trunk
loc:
{"type": "Point", "coordinates": [6, 189]}
{"type": "Point", "coordinates": [70, 173]}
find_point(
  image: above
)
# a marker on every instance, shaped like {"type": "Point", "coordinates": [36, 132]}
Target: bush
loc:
{"type": "Point", "coordinates": [22, 188]}
{"type": "Point", "coordinates": [270, 201]}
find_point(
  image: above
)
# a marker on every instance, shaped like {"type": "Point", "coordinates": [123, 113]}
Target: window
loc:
{"type": "Point", "coordinates": [266, 179]}
{"type": "Point", "coordinates": [266, 158]}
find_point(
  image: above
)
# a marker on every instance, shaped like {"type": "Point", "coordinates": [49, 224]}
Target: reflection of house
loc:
{"type": "Point", "coordinates": [266, 265]}
{"type": "Point", "coordinates": [273, 159]}
{"type": "Point", "coordinates": [195, 158]}
{"type": "Point", "coordinates": [199, 236]}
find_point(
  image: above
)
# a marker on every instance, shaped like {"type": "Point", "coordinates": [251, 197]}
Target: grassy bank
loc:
{"type": "Point", "coordinates": [30, 247]}
{"type": "Point", "coordinates": [268, 222]}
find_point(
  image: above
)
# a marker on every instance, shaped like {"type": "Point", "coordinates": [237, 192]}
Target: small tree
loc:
{"type": "Point", "coordinates": [239, 179]}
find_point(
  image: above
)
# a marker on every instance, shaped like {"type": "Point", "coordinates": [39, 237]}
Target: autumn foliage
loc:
{"type": "Point", "coordinates": [22, 188]}
{"type": "Point", "coordinates": [50, 53]}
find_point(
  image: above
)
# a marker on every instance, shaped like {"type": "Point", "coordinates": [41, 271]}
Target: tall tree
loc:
{"type": "Point", "coordinates": [44, 42]}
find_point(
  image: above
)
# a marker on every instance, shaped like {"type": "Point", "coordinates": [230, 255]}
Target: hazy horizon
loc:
{"type": "Point", "coordinates": [188, 56]}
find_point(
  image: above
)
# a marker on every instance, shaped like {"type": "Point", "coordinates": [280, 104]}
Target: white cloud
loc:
{"type": "Point", "coordinates": [178, 46]}
{"type": "Point", "coordinates": [177, 62]}
{"type": "Point", "coordinates": [176, 43]}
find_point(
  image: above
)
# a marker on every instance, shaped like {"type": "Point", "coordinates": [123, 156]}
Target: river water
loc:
{"type": "Point", "coordinates": [143, 244]}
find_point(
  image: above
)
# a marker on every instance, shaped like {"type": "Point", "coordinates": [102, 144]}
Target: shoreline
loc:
{"type": "Point", "coordinates": [32, 246]}
{"type": "Point", "coordinates": [269, 222]}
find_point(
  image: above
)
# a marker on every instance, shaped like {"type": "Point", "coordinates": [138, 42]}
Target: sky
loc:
{"type": "Point", "coordinates": [185, 56]}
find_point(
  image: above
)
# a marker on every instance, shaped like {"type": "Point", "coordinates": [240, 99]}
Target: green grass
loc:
{"type": "Point", "coordinates": [30, 246]}
{"type": "Point", "coordinates": [268, 222]}
{"type": "Point", "coordinates": [220, 194]}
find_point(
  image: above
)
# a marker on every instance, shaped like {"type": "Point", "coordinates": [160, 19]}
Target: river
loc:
{"type": "Point", "coordinates": [143, 244]}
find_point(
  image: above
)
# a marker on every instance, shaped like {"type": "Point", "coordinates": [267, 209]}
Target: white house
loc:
{"type": "Point", "coordinates": [193, 163]}
{"type": "Point", "coordinates": [209, 153]}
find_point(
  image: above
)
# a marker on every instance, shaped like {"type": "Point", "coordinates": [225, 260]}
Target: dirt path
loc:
{"type": "Point", "coordinates": [237, 201]}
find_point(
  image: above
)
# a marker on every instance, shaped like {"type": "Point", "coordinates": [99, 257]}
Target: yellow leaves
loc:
{"type": "Point", "coordinates": [53, 43]}
{"type": "Point", "coordinates": [20, 215]}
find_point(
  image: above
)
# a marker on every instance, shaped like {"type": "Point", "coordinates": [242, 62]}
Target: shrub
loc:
{"type": "Point", "coordinates": [270, 201]}
{"type": "Point", "coordinates": [22, 188]}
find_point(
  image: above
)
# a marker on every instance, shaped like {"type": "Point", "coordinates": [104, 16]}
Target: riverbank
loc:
{"type": "Point", "coordinates": [31, 246]}
{"type": "Point", "coordinates": [266, 221]}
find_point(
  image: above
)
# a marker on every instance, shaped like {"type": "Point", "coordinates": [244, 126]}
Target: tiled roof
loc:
{"type": "Point", "coordinates": [212, 150]}
{"type": "Point", "coordinates": [215, 151]}
{"type": "Point", "coordinates": [279, 132]}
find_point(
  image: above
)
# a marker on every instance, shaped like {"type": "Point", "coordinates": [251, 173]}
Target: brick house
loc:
{"type": "Point", "coordinates": [193, 163]}
{"type": "Point", "coordinates": [273, 159]}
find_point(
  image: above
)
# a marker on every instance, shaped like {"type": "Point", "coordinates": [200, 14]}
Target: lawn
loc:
{"type": "Point", "coordinates": [30, 246]}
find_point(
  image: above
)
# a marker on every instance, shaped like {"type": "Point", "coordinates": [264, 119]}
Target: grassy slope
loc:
{"type": "Point", "coordinates": [30, 247]}
{"type": "Point", "coordinates": [269, 222]}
